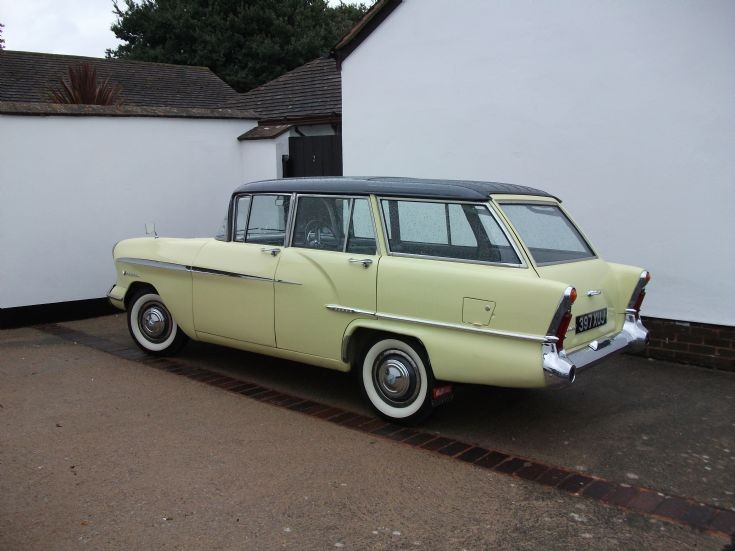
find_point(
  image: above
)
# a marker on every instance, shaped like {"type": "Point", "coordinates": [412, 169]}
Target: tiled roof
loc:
{"type": "Point", "coordinates": [28, 76]}
{"type": "Point", "coordinates": [310, 91]}
{"type": "Point", "coordinates": [265, 132]}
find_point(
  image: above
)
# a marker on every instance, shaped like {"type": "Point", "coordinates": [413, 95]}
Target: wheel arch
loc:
{"type": "Point", "coordinates": [361, 332]}
{"type": "Point", "coordinates": [408, 403]}
{"type": "Point", "coordinates": [134, 288]}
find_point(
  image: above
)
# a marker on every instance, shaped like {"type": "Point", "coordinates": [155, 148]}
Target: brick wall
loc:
{"type": "Point", "coordinates": [701, 344]}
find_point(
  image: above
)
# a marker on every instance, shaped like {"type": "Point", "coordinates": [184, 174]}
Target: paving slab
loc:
{"type": "Point", "coordinates": [661, 425]}
{"type": "Point", "coordinates": [101, 452]}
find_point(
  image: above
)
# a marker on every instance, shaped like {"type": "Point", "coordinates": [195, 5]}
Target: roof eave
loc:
{"type": "Point", "coordinates": [59, 109]}
{"type": "Point", "coordinates": [332, 118]}
{"type": "Point", "coordinates": [364, 28]}
{"type": "Point", "coordinates": [264, 132]}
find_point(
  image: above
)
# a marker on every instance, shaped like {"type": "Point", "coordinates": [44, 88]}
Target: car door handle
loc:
{"type": "Point", "coordinates": [364, 261]}
{"type": "Point", "coordinates": [273, 251]}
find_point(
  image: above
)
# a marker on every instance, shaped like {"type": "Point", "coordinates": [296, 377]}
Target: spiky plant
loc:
{"type": "Point", "coordinates": [83, 88]}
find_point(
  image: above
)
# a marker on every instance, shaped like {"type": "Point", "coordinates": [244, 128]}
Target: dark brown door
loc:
{"type": "Point", "coordinates": [314, 156]}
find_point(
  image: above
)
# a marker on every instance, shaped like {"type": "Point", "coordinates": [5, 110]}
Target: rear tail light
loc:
{"type": "Point", "coordinates": [561, 331]}
{"type": "Point", "coordinates": [563, 317]}
{"type": "Point", "coordinates": [636, 300]}
{"type": "Point", "coordinates": [639, 300]}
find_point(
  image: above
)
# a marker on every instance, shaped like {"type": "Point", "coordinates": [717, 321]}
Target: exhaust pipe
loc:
{"type": "Point", "coordinates": [557, 368]}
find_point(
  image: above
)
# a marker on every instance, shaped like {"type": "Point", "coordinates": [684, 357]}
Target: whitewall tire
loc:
{"type": "Point", "coordinates": [152, 326]}
{"type": "Point", "coordinates": [397, 380]}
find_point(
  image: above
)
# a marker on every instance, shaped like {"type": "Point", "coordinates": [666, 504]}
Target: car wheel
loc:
{"type": "Point", "coordinates": [152, 326]}
{"type": "Point", "coordinates": [397, 380]}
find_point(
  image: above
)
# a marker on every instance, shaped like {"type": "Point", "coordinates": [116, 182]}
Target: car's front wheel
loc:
{"type": "Point", "coordinates": [152, 326]}
{"type": "Point", "coordinates": [397, 380]}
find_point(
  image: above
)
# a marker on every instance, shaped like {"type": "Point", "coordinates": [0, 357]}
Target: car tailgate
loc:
{"type": "Point", "coordinates": [597, 292]}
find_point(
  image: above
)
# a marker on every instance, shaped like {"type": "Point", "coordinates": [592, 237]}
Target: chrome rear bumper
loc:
{"type": "Point", "coordinates": [560, 368]}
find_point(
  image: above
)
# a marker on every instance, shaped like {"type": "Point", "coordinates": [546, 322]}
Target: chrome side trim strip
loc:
{"type": "Point", "coordinates": [210, 271]}
{"type": "Point", "coordinates": [153, 263]}
{"type": "Point", "coordinates": [195, 269]}
{"type": "Point", "coordinates": [286, 282]}
{"type": "Point", "coordinates": [468, 328]}
{"type": "Point", "coordinates": [348, 310]}
{"type": "Point", "coordinates": [442, 324]}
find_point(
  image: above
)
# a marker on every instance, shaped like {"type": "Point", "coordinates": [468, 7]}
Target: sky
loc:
{"type": "Point", "coordinates": [78, 27]}
{"type": "Point", "coordinates": [75, 27]}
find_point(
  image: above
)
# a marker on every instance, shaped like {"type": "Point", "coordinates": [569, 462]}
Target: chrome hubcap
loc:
{"type": "Point", "coordinates": [396, 377]}
{"type": "Point", "coordinates": [154, 322]}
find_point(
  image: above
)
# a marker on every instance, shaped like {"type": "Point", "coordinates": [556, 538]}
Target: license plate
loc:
{"type": "Point", "coordinates": [585, 322]}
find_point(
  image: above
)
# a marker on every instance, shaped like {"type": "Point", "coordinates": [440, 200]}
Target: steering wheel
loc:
{"type": "Point", "coordinates": [313, 233]}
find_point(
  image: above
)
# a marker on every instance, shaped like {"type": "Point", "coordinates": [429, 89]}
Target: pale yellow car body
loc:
{"type": "Point", "coordinates": [479, 323]}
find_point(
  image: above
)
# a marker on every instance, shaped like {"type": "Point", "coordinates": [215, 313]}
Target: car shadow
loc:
{"type": "Point", "coordinates": [631, 420]}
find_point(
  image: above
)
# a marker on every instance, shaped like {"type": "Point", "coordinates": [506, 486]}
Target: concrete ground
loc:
{"type": "Point", "coordinates": [103, 453]}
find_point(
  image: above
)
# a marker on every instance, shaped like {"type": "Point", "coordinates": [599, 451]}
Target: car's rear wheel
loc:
{"type": "Point", "coordinates": [396, 379]}
{"type": "Point", "coordinates": [152, 326]}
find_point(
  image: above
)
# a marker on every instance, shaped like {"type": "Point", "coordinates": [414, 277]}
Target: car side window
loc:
{"type": "Point", "coordinates": [266, 223]}
{"type": "Point", "coordinates": [459, 231]}
{"type": "Point", "coordinates": [221, 234]}
{"type": "Point", "coordinates": [334, 224]}
{"type": "Point", "coordinates": [458, 228]}
{"type": "Point", "coordinates": [242, 209]}
{"type": "Point", "coordinates": [321, 223]}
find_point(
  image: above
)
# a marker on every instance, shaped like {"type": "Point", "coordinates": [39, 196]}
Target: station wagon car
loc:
{"type": "Point", "coordinates": [411, 284]}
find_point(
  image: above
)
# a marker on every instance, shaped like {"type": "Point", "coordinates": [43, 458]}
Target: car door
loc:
{"type": "Point", "coordinates": [332, 262]}
{"type": "Point", "coordinates": [233, 281]}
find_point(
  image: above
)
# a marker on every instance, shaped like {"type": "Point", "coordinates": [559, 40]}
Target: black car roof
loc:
{"type": "Point", "coordinates": [464, 190]}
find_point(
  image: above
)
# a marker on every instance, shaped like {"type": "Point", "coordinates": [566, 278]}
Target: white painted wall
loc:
{"type": "Point", "coordinates": [70, 187]}
{"type": "Point", "coordinates": [260, 159]}
{"type": "Point", "coordinates": [624, 108]}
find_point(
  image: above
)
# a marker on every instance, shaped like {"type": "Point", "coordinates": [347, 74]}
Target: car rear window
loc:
{"type": "Point", "coordinates": [547, 232]}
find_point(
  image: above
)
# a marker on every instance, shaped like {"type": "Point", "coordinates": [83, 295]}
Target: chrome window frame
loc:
{"type": "Point", "coordinates": [376, 237]}
{"type": "Point", "coordinates": [235, 203]}
{"type": "Point", "coordinates": [291, 220]}
{"type": "Point", "coordinates": [352, 199]}
{"type": "Point", "coordinates": [486, 204]}
{"type": "Point", "coordinates": [586, 241]}
{"type": "Point", "coordinates": [349, 221]}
